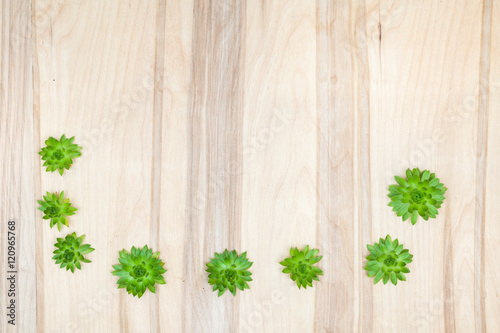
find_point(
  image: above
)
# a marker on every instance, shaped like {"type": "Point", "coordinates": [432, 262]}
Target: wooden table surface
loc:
{"type": "Point", "coordinates": [255, 126]}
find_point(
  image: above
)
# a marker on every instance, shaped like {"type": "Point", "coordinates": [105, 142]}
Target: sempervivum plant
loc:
{"type": "Point", "coordinates": [420, 193]}
{"type": "Point", "coordinates": [139, 269]}
{"type": "Point", "coordinates": [229, 271]}
{"type": "Point", "coordinates": [300, 266]}
{"type": "Point", "coordinates": [56, 209]}
{"type": "Point", "coordinates": [59, 154]}
{"type": "Point", "coordinates": [70, 252]}
{"type": "Point", "coordinates": [387, 261]}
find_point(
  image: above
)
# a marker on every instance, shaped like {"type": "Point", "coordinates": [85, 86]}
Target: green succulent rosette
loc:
{"type": "Point", "coordinates": [139, 269]}
{"type": "Point", "coordinates": [228, 271]}
{"type": "Point", "coordinates": [387, 261]}
{"type": "Point", "coordinates": [420, 193]}
{"type": "Point", "coordinates": [70, 252]}
{"type": "Point", "coordinates": [56, 208]}
{"type": "Point", "coordinates": [300, 266]}
{"type": "Point", "coordinates": [59, 154]}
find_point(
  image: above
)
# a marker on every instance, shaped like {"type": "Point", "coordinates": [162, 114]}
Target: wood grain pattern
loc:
{"type": "Point", "coordinates": [490, 85]}
{"type": "Point", "coordinates": [255, 126]}
{"type": "Point", "coordinates": [214, 137]}
{"type": "Point", "coordinates": [338, 222]}
{"type": "Point", "coordinates": [18, 142]}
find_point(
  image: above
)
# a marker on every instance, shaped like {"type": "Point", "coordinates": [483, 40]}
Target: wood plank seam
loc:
{"type": "Point", "coordinates": [482, 152]}
{"type": "Point", "coordinates": [158, 109]}
{"type": "Point", "coordinates": [363, 160]}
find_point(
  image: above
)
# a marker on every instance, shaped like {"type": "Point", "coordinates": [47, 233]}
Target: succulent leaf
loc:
{"type": "Point", "coordinates": [70, 252]}
{"type": "Point", "coordinates": [59, 154]}
{"type": "Point", "coordinates": [300, 266]}
{"type": "Point", "coordinates": [389, 263]}
{"type": "Point", "coordinates": [420, 193]}
{"type": "Point", "coordinates": [138, 270]}
{"type": "Point", "coordinates": [228, 271]}
{"type": "Point", "coordinates": [56, 208]}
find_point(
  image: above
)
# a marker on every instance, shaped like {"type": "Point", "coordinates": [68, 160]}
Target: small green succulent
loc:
{"type": "Point", "coordinates": [300, 266]}
{"type": "Point", "coordinates": [227, 270]}
{"type": "Point", "coordinates": [56, 209]}
{"type": "Point", "coordinates": [70, 252]}
{"type": "Point", "coordinates": [139, 269]}
{"type": "Point", "coordinates": [59, 154]}
{"type": "Point", "coordinates": [420, 193]}
{"type": "Point", "coordinates": [387, 261]}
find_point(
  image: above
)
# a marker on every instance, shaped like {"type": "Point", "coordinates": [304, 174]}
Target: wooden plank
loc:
{"type": "Point", "coordinates": [420, 75]}
{"type": "Point", "coordinates": [341, 108]}
{"type": "Point", "coordinates": [176, 86]}
{"type": "Point", "coordinates": [94, 65]}
{"type": "Point", "coordinates": [279, 161]}
{"type": "Point", "coordinates": [214, 125]}
{"type": "Point", "coordinates": [490, 89]}
{"type": "Point", "coordinates": [481, 166]}
{"type": "Point", "coordinates": [19, 177]}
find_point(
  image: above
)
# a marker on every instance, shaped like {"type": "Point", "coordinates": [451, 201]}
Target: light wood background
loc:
{"type": "Point", "coordinates": [255, 126]}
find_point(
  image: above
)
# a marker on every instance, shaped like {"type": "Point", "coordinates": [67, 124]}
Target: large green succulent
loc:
{"type": "Point", "coordinates": [56, 209]}
{"type": "Point", "coordinates": [59, 154]}
{"type": "Point", "coordinates": [300, 266]}
{"type": "Point", "coordinates": [387, 261]}
{"type": "Point", "coordinates": [229, 271]}
{"type": "Point", "coordinates": [139, 269]}
{"type": "Point", "coordinates": [420, 193]}
{"type": "Point", "coordinates": [70, 252]}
